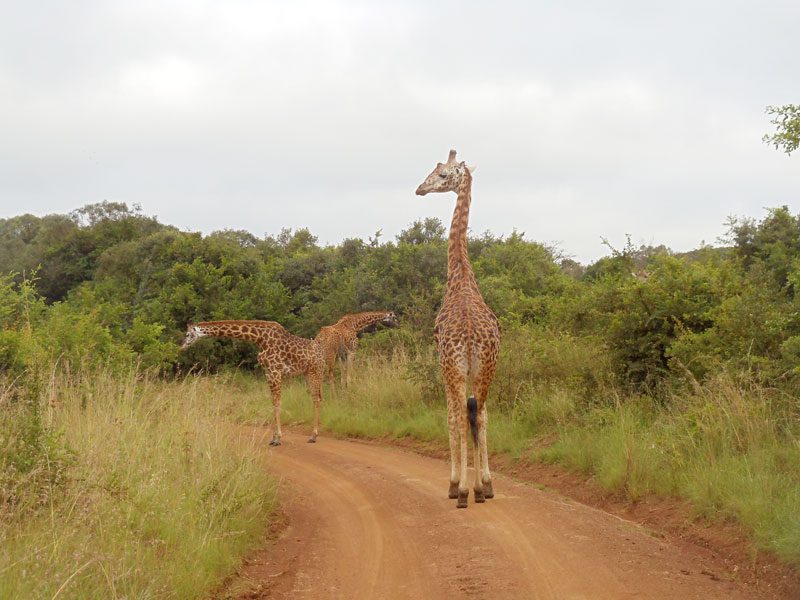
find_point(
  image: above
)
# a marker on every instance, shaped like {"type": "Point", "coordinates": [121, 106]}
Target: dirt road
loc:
{"type": "Point", "coordinates": [367, 521]}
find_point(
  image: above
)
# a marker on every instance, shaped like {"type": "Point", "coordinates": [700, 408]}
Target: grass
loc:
{"type": "Point", "coordinates": [129, 487]}
{"type": "Point", "coordinates": [126, 487]}
{"type": "Point", "coordinates": [731, 449]}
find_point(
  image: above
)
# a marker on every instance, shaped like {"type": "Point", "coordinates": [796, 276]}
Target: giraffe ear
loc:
{"type": "Point", "coordinates": [471, 168]}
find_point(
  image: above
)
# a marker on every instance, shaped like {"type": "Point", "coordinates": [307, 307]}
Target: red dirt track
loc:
{"type": "Point", "coordinates": [367, 521]}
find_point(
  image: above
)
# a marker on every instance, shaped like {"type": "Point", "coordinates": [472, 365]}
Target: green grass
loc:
{"type": "Point", "coordinates": [380, 402]}
{"type": "Point", "coordinates": [731, 449]}
{"type": "Point", "coordinates": [126, 487]}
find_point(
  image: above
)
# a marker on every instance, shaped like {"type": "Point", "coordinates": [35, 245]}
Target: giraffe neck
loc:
{"type": "Point", "coordinates": [459, 269]}
{"type": "Point", "coordinates": [359, 321]}
{"type": "Point", "coordinates": [249, 333]}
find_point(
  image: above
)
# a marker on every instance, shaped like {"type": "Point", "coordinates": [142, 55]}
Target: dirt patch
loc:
{"type": "Point", "coordinates": [371, 520]}
{"type": "Point", "coordinates": [726, 544]}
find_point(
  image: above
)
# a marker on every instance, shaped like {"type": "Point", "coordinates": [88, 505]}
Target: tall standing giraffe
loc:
{"type": "Point", "coordinates": [467, 337]}
{"type": "Point", "coordinates": [341, 339]}
{"type": "Point", "coordinates": [282, 355]}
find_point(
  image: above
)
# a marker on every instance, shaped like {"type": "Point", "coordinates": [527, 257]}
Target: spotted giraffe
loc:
{"type": "Point", "coordinates": [467, 336]}
{"type": "Point", "coordinates": [341, 339]}
{"type": "Point", "coordinates": [282, 355]}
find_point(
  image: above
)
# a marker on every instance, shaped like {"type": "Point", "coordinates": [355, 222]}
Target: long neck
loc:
{"type": "Point", "coordinates": [248, 332]}
{"type": "Point", "coordinates": [459, 270]}
{"type": "Point", "coordinates": [359, 321]}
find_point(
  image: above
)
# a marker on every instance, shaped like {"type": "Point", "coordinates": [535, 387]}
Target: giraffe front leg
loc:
{"type": "Point", "coordinates": [329, 376]}
{"type": "Point", "coordinates": [275, 390]}
{"type": "Point", "coordinates": [348, 368]}
{"type": "Point", "coordinates": [315, 388]}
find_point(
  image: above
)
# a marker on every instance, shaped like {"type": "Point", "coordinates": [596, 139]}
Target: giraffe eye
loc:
{"type": "Point", "coordinates": [443, 175]}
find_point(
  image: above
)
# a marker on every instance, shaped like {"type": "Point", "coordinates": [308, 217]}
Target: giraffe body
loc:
{"type": "Point", "coordinates": [281, 355]}
{"type": "Point", "coordinates": [341, 339]}
{"type": "Point", "coordinates": [467, 336]}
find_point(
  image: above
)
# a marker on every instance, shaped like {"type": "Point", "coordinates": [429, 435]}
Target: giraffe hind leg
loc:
{"type": "Point", "coordinates": [483, 477]}
{"type": "Point", "coordinates": [472, 415]}
{"type": "Point", "coordinates": [454, 386]}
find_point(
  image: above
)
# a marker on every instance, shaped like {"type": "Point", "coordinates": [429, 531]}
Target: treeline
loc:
{"type": "Point", "coordinates": [107, 283]}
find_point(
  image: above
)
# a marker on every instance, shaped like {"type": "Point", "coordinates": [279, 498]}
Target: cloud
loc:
{"type": "Point", "coordinates": [584, 120]}
{"type": "Point", "coordinates": [166, 81]}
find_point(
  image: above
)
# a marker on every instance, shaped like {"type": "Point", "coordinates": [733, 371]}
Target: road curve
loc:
{"type": "Point", "coordinates": [367, 521]}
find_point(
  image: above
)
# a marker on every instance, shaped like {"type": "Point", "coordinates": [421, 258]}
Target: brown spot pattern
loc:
{"type": "Point", "coordinates": [281, 355]}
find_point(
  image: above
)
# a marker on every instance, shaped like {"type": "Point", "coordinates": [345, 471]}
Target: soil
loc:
{"type": "Point", "coordinates": [365, 520]}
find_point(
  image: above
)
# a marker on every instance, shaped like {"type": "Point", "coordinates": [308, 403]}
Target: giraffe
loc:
{"type": "Point", "coordinates": [282, 355]}
{"type": "Point", "coordinates": [341, 339]}
{"type": "Point", "coordinates": [467, 336]}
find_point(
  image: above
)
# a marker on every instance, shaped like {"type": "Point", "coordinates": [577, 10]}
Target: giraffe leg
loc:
{"type": "Point", "coordinates": [463, 488]}
{"type": "Point", "coordinates": [476, 452]}
{"type": "Point", "coordinates": [275, 390]}
{"type": "Point", "coordinates": [454, 390]}
{"type": "Point", "coordinates": [314, 381]}
{"type": "Point", "coordinates": [329, 373]}
{"type": "Point", "coordinates": [484, 480]}
{"type": "Point", "coordinates": [486, 476]}
{"type": "Point", "coordinates": [351, 357]}
{"type": "Point", "coordinates": [452, 425]}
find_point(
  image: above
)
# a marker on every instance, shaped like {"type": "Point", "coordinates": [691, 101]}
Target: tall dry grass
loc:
{"type": "Point", "coordinates": [123, 486]}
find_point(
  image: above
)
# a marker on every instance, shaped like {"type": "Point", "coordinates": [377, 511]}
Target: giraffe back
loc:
{"type": "Point", "coordinates": [467, 333]}
{"type": "Point", "coordinates": [280, 351]}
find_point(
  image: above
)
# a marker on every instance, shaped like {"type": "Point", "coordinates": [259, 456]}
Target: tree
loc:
{"type": "Point", "coordinates": [787, 124]}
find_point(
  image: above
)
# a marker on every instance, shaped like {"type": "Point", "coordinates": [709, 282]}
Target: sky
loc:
{"type": "Point", "coordinates": [585, 120]}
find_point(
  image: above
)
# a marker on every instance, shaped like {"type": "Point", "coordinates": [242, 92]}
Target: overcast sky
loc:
{"type": "Point", "coordinates": [585, 119]}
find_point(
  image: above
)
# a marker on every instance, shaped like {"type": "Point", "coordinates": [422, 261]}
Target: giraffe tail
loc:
{"type": "Point", "coordinates": [472, 416]}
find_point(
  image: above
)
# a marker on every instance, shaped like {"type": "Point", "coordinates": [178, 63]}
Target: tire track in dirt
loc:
{"type": "Point", "coordinates": [368, 521]}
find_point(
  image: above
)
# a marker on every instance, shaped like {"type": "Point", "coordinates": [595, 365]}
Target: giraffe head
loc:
{"type": "Point", "coordinates": [445, 177]}
{"type": "Point", "coordinates": [390, 320]}
{"type": "Point", "coordinates": [193, 333]}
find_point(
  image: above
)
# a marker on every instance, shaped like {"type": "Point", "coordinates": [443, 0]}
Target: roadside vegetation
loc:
{"type": "Point", "coordinates": [122, 474]}
{"type": "Point", "coordinates": [116, 485]}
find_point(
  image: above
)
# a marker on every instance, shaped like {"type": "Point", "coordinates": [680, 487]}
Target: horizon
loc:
{"type": "Point", "coordinates": [559, 253]}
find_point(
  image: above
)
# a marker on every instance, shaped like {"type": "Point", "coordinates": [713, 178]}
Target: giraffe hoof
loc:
{"type": "Point", "coordinates": [462, 499]}
{"type": "Point", "coordinates": [488, 492]}
{"type": "Point", "coordinates": [312, 439]}
{"type": "Point", "coordinates": [452, 493]}
{"type": "Point", "coordinates": [275, 442]}
{"type": "Point", "coordinates": [479, 497]}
